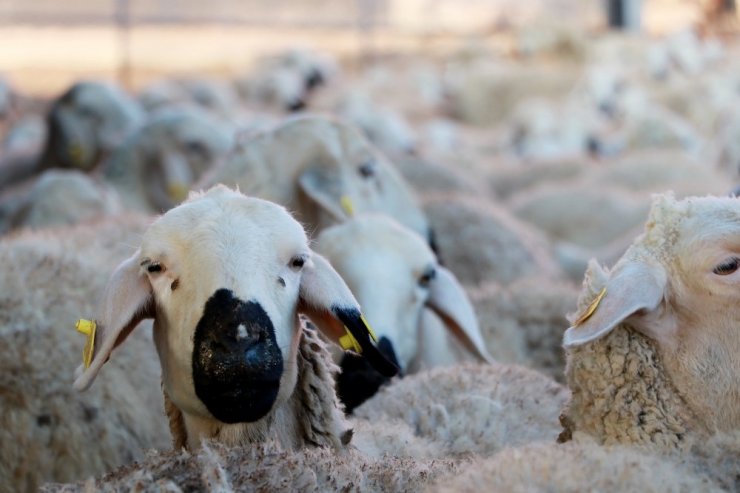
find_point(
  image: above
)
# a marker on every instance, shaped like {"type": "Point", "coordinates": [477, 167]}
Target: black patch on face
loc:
{"type": "Point", "coordinates": [352, 320]}
{"type": "Point", "coordinates": [358, 380]}
{"type": "Point", "coordinates": [296, 105]}
{"type": "Point", "coordinates": [236, 372]}
{"type": "Point", "coordinates": [314, 79]}
{"type": "Point", "coordinates": [432, 240]}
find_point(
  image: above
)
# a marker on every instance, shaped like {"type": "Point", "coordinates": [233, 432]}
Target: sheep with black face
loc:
{"type": "Point", "coordinates": [224, 277]}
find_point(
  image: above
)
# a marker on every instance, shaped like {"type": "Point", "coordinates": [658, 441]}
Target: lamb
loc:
{"type": "Point", "coordinates": [84, 124]}
{"type": "Point", "coordinates": [371, 249]}
{"type": "Point", "coordinates": [321, 169]}
{"type": "Point", "coordinates": [238, 364]}
{"type": "Point", "coordinates": [154, 168]}
{"type": "Point", "coordinates": [512, 249]}
{"type": "Point", "coordinates": [49, 432]}
{"type": "Point", "coordinates": [651, 353]}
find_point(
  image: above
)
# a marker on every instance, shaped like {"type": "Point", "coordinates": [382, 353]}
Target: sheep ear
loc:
{"type": "Point", "coordinates": [127, 300]}
{"type": "Point", "coordinates": [447, 299]}
{"type": "Point", "coordinates": [317, 183]}
{"type": "Point", "coordinates": [634, 291]}
{"type": "Point", "coordinates": [328, 302]}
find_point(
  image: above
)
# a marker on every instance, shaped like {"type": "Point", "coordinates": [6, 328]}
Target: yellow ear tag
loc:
{"type": "Point", "coordinates": [347, 205]}
{"type": "Point", "coordinates": [77, 154]}
{"type": "Point", "coordinates": [87, 327]}
{"type": "Point", "coordinates": [177, 192]}
{"type": "Point", "coordinates": [348, 342]}
{"type": "Point", "coordinates": [590, 309]}
{"type": "Point", "coordinates": [369, 328]}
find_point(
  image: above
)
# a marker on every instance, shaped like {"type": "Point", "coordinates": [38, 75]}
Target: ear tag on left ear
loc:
{"type": "Point", "coordinates": [348, 341]}
{"type": "Point", "coordinates": [177, 191]}
{"type": "Point", "coordinates": [590, 309]}
{"type": "Point", "coordinates": [347, 205]}
{"type": "Point", "coordinates": [87, 327]}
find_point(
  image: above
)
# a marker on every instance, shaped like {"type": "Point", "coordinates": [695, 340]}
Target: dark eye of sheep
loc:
{"type": "Point", "coordinates": [367, 169]}
{"type": "Point", "coordinates": [727, 267]}
{"type": "Point", "coordinates": [154, 267]}
{"type": "Point", "coordinates": [426, 278]}
{"type": "Point", "coordinates": [297, 262]}
{"type": "Point", "coordinates": [193, 147]}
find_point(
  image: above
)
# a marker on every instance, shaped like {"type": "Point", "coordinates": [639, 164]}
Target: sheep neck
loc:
{"type": "Point", "coordinates": [312, 415]}
{"type": "Point", "coordinates": [621, 393]}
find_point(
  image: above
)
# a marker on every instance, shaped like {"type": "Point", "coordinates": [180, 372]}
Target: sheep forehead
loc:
{"type": "Point", "coordinates": [221, 212]}
{"type": "Point", "coordinates": [376, 236]}
{"type": "Point", "coordinates": [672, 223]}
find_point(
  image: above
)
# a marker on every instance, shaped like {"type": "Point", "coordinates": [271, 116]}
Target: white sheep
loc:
{"type": "Point", "coordinates": [50, 432]}
{"type": "Point", "coordinates": [155, 167]}
{"type": "Point", "coordinates": [651, 353]}
{"type": "Point", "coordinates": [371, 250]}
{"type": "Point", "coordinates": [58, 197]}
{"type": "Point", "coordinates": [224, 277]}
{"type": "Point", "coordinates": [482, 242]}
{"type": "Point", "coordinates": [321, 169]}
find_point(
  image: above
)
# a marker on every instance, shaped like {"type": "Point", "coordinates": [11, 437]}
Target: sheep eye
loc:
{"type": "Point", "coordinates": [193, 147]}
{"type": "Point", "coordinates": [154, 267]}
{"type": "Point", "coordinates": [367, 169]}
{"type": "Point", "coordinates": [727, 267]}
{"type": "Point", "coordinates": [426, 278]}
{"type": "Point", "coordinates": [297, 262]}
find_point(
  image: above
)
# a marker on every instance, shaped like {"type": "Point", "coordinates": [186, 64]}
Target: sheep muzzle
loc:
{"type": "Point", "coordinates": [237, 364]}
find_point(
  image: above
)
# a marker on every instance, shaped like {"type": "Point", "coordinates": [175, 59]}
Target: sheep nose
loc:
{"type": "Point", "coordinates": [237, 364]}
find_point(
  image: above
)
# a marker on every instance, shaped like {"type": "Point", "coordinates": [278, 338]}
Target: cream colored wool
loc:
{"type": "Point", "coordinates": [266, 467]}
{"type": "Point", "coordinates": [472, 408]}
{"type": "Point", "coordinates": [482, 242]}
{"type": "Point", "coordinates": [50, 432]}
{"type": "Point", "coordinates": [668, 370]}
{"type": "Point", "coordinates": [524, 322]}
{"type": "Point", "coordinates": [576, 467]}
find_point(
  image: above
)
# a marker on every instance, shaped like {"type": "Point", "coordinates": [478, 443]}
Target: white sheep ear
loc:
{"type": "Point", "coordinates": [634, 291]}
{"type": "Point", "coordinates": [329, 303]}
{"type": "Point", "coordinates": [127, 300]}
{"type": "Point", "coordinates": [318, 183]}
{"type": "Point", "coordinates": [447, 299]}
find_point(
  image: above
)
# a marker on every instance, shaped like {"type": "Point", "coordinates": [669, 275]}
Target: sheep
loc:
{"type": "Point", "coordinates": [509, 178]}
{"type": "Point", "coordinates": [323, 170]}
{"type": "Point", "coordinates": [49, 432]}
{"type": "Point", "coordinates": [58, 197]}
{"type": "Point", "coordinates": [370, 249]}
{"type": "Point", "coordinates": [523, 322]}
{"type": "Point", "coordinates": [267, 467]}
{"type": "Point", "coordinates": [576, 467]}
{"type": "Point", "coordinates": [651, 351]}
{"type": "Point", "coordinates": [238, 364]}
{"type": "Point", "coordinates": [428, 177]}
{"type": "Point", "coordinates": [472, 407]}
{"type": "Point", "coordinates": [84, 124]}
{"type": "Point", "coordinates": [513, 249]}
{"type": "Point", "coordinates": [154, 168]}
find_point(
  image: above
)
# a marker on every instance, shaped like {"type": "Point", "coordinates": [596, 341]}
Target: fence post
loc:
{"type": "Point", "coordinates": [122, 18]}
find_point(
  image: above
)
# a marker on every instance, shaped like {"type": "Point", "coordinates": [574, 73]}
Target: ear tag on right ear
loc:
{"type": "Point", "coordinates": [87, 327]}
{"type": "Point", "coordinates": [347, 205]}
{"type": "Point", "coordinates": [348, 342]}
{"type": "Point", "coordinates": [177, 191]}
{"type": "Point", "coordinates": [590, 309]}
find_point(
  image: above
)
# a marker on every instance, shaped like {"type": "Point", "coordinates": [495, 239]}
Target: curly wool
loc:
{"type": "Point", "coordinates": [620, 389]}
{"type": "Point", "coordinates": [266, 467]}
{"type": "Point", "coordinates": [471, 408]}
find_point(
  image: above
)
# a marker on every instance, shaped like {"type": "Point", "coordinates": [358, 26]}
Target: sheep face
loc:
{"type": "Point", "coordinates": [679, 284]}
{"type": "Point", "coordinates": [396, 277]}
{"type": "Point", "coordinates": [223, 275]}
{"type": "Point", "coordinates": [86, 121]}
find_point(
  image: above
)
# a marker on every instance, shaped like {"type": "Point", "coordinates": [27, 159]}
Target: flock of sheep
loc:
{"type": "Point", "coordinates": [471, 271]}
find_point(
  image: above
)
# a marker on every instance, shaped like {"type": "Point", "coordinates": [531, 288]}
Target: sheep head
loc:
{"type": "Point", "coordinates": [678, 286]}
{"type": "Point", "coordinates": [224, 277]}
{"type": "Point", "coordinates": [396, 277]}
